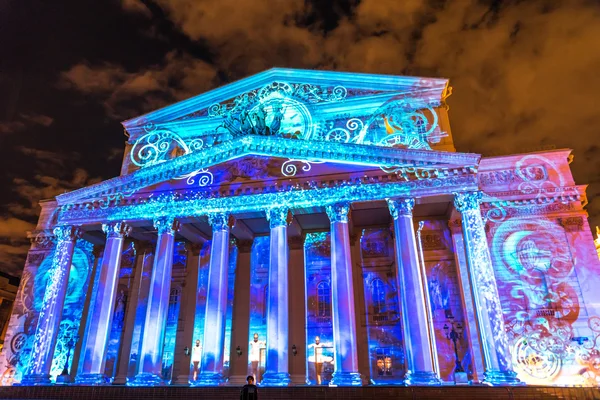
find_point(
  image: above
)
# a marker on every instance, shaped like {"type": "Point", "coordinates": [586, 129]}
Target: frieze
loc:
{"type": "Point", "coordinates": [195, 203]}
{"type": "Point", "coordinates": [507, 176]}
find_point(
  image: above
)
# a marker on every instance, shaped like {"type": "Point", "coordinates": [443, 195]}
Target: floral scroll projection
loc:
{"type": "Point", "coordinates": [535, 275]}
{"type": "Point", "coordinates": [160, 145]}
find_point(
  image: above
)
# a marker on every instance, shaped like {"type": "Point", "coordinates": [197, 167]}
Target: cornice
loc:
{"type": "Point", "coordinates": [357, 154]}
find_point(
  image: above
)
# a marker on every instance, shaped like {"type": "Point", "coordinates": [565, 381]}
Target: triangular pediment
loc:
{"type": "Point", "coordinates": [283, 154]}
{"type": "Point", "coordinates": [313, 106]}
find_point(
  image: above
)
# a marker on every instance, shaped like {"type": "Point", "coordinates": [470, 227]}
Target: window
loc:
{"type": "Point", "coordinates": [378, 296]}
{"type": "Point", "coordinates": [323, 302]}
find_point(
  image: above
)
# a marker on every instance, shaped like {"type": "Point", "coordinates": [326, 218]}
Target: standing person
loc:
{"type": "Point", "coordinates": [255, 346]}
{"type": "Point", "coordinates": [318, 346]}
{"type": "Point", "coordinates": [249, 391]}
{"type": "Point", "coordinates": [196, 357]}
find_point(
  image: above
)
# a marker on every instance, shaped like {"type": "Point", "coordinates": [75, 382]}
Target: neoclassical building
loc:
{"type": "Point", "coordinates": [311, 227]}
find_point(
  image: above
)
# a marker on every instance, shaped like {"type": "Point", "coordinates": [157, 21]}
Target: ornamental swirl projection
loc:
{"type": "Point", "coordinates": [160, 145]}
{"type": "Point", "coordinates": [402, 122]}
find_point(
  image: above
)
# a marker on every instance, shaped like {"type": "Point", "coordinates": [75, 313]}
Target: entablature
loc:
{"type": "Point", "coordinates": [391, 160]}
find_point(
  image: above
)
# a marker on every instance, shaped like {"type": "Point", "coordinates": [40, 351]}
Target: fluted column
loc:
{"type": "Point", "coordinates": [136, 314]}
{"type": "Point", "coordinates": [150, 357]}
{"type": "Point", "coordinates": [216, 303]}
{"type": "Point", "coordinates": [343, 309]}
{"type": "Point", "coordinates": [277, 369]}
{"type": "Point", "coordinates": [40, 362]}
{"type": "Point", "coordinates": [497, 359]}
{"type": "Point", "coordinates": [468, 304]}
{"type": "Point", "coordinates": [96, 338]}
{"type": "Point", "coordinates": [418, 342]}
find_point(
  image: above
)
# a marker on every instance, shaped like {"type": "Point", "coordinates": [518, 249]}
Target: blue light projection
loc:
{"type": "Point", "coordinates": [118, 322]}
{"type": "Point", "coordinates": [198, 334]}
{"type": "Point", "coordinates": [319, 328]}
{"type": "Point", "coordinates": [384, 329]}
{"type": "Point", "coordinates": [18, 347]}
{"type": "Point", "coordinates": [259, 278]}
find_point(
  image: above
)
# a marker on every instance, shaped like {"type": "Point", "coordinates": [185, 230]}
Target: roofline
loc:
{"type": "Point", "coordinates": [251, 82]}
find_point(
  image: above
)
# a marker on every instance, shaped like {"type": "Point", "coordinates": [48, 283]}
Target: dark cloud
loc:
{"type": "Point", "coordinates": [25, 121]}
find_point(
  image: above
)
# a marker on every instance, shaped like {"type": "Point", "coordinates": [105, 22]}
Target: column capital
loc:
{"type": "Point", "coordinates": [338, 212]}
{"type": "Point", "coordinates": [166, 225]}
{"type": "Point", "coordinates": [277, 216]}
{"type": "Point", "coordinates": [401, 206]}
{"type": "Point", "coordinates": [116, 229]}
{"type": "Point", "coordinates": [67, 233]}
{"type": "Point", "coordinates": [220, 221]}
{"type": "Point", "coordinates": [464, 201]}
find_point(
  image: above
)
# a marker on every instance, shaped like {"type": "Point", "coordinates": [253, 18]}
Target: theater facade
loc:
{"type": "Point", "coordinates": [311, 227]}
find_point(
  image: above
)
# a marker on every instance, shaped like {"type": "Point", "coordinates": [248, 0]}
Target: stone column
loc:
{"type": "Point", "coordinates": [277, 368]}
{"type": "Point", "coordinates": [497, 359]}
{"type": "Point", "coordinates": [418, 342]}
{"type": "Point", "coordinates": [467, 301]}
{"type": "Point", "coordinates": [150, 356]}
{"type": "Point", "coordinates": [187, 312]}
{"type": "Point", "coordinates": [136, 313]}
{"type": "Point", "coordinates": [46, 333]}
{"type": "Point", "coordinates": [343, 308]}
{"type": "Point", "coordinates": [211, 372]}
{"type": "Point", "coordinates": [93, 355]}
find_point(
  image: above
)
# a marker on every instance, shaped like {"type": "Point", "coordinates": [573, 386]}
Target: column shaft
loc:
{"type": "Point", "coordinates": [135, 314]}
{"type": "Point", "coordinates": [96, 338]}
{"type": "Point", "coordinates": [497, 359]}
{"type": "Point", "coordinates": [277, 369]}
{"type": "Point", "coordinates": [468, 303]}
{"type": "Point", "coordinates": [343, 308]}
{"type": "Point", "coordinates": [418, 342]}
{"type": "Point", "coordinates": [216, 304]}
{"type": "Point", "coordinates": [150, 356]}
{"type": "Point", "coordinates": [40, 362]}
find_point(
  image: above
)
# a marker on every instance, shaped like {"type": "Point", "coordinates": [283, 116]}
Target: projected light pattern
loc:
{"type": "Point", "coordinates": [20, 339]}
{"type": "Point", "coordinates": [384, 330]}
{"type": "Point", "coordinates": [198, 333]}
{"type": "Point", "coordinates": [259, 278]}
{"type": "Point", "coordinates": [319, 328]}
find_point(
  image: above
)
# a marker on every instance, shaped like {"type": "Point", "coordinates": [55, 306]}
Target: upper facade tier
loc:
{"type": "Point", "coordinates": [315, 106]}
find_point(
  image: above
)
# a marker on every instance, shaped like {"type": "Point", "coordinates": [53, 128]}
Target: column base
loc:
{"type": "Point", "coordinates": [422, 378]}
{"type": "Point", "coordinates": [35, 380]}
{"type": "Point", "coordinates": [92, 379]}
{"type": "Point", "coordinates": [276, 379]}
{"type": "Point", "coordinates": [146, 379]}
{"type": "Point", "coordinates": [346, 379]}
{"type": "Point", "coordinates": [208, 379]}
{"type": "Point", "coordinates": [501, 378]}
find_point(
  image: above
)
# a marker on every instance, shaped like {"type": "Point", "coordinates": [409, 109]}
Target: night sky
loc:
{"type": "Point", "coordinates": [524, 73]}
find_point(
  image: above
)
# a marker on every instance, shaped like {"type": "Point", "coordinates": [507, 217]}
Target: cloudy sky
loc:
{"type": "Point", "coordinates": [524, 73]}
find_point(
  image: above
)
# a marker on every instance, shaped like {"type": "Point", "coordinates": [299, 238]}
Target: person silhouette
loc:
{"type": "Point", "coordinates": [249, 391]}
{"type": "Point", "coordinates": [196, 358]}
